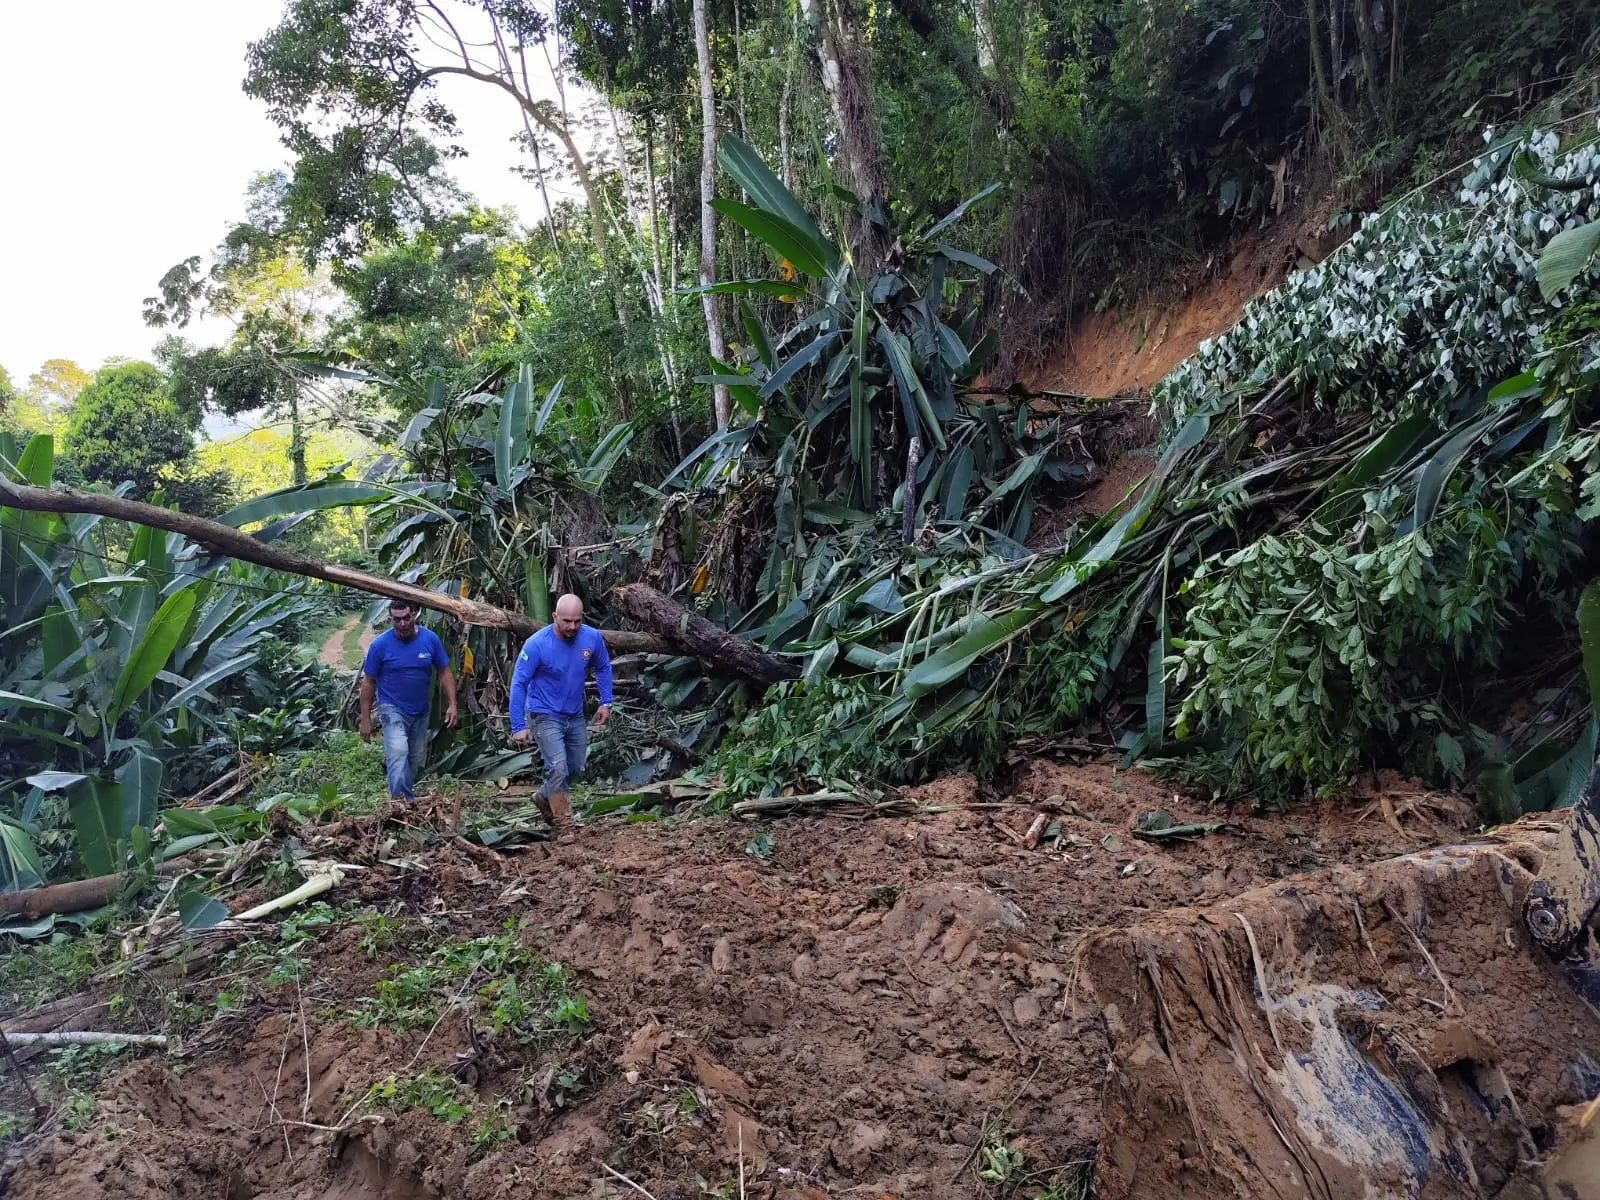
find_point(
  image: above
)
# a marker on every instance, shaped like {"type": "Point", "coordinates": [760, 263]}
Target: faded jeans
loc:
{"type": "Point", "coordinates": [405, 748]}
{"type": "Point", "coordinates": [563, 743]}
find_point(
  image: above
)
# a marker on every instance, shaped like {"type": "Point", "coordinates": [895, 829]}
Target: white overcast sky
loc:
{"type": "Point", "coordinates": [126, 144]}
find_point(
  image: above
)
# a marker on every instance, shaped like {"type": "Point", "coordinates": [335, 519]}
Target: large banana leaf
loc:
{"type": "Point", "coordinates": [150, 654]}
{"type": "Point", "coordinates": [767, 192]}
{"type": "Point", "coordinates": [778, 234]}
{"type": "Point", "coordinates": [511, 447]}
{"type": "Point", "coordinates": [308, 497]}
{"type": "Point", "coordinates": [20, 867]}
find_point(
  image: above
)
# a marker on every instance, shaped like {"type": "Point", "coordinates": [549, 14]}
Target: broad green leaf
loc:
{"type": "Point", "coordinates": [140, 782]}
{"type": "Point", "coordinates": [95, 806]}
{"type": "Point", "coordinates": [14, 700]}
{"type": "Point", "coordinates": [511, 444]}
{"type": "Point", "coordinates": [974, 261]}
{"type": "Point", "coordinates": [538, 590]}
{"type": "Point", "coordinates": [797, 362]}
{"type": "Point", "coordinates": [548, 407]}
{"type": "Point", "coordinates": [957, 483]}
{"type": "Point", "coordinates": [960, 210]}
{"type": "Point", "coordinates": [740, 387]}
{"type": "Point", "coordinates": [757, 333]}
{"type": "Point", "coordinates": [198, 911]}
{"type": "Point", "coordinates": [152, 651]}
{"type": "Point", "coordinates": [777, 234]}
{"type": "Point", "coordinates": [20, 867]}
{"type": "Point", "coordinates": [1589, 640]}
{"type": "Point", "coordinates": [767, 191]}
{"type": "Point", "coordinates": [906, 378]}
{"type": "Point", "coordinates": [954, 660]}
{"type": "Point", "coordinates": [1437, 472]}
{"type": "Point", "coordinates": [55, 781]}
{"type": "Point", "coordinates": [1518, 387]}
{"type": "Point", "coordinates": [200, 683]}
{"type": "Point", "coordinates": [820, 662]}
{"type": "Point", "coordinates": [1564, 258]}
{"type": "Point", "coordinates": [311, 497]}
{"type": "Point", "coordinates": [1396, 445]}
{"type": "Point", "coordinates": [860, 413]}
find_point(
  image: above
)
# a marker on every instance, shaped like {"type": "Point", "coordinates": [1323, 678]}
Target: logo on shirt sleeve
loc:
{"type": "Point", "coordinates": [587, 653]}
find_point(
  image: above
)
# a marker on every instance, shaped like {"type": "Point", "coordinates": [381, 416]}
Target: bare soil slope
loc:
{"type": "Point", "coordinates": [858, 1010]}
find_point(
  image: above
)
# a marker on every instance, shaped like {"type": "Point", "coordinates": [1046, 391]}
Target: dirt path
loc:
{"type": "Point", "coordinates": [333, 651]}
{"type": "Point", "coordinates": [854, 1009]}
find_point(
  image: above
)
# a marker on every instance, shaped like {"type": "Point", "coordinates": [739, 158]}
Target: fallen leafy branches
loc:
{"type": "Point", "coordinates": [1368, 489]}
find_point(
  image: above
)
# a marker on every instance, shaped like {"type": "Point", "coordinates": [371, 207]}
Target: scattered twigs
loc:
{"type": "Point", "coordinates": [22, 1077]}
{"type": "Point", "coordinates": [621, 1178]}
{"type": "Point", "coordinates": [866, 804]}
{"type": "Point", "coordinates": [1016, 1039]}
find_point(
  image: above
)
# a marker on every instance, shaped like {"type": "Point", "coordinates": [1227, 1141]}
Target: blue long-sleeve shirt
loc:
{"type": "Point", "coordinates": [550, 673]}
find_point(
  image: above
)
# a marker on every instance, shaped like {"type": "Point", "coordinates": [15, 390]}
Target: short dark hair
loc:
{"type": "Point", "coordinates": [405, 604]}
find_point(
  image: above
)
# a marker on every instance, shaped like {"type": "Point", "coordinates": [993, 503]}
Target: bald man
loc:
{"type": "Point", "coordinates": [547, 702]}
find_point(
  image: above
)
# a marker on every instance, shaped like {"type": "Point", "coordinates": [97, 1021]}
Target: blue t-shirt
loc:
{"type": "Point", "coordinates": [403, 671]}
{"type": "Point", "coordinates": [550, 673]}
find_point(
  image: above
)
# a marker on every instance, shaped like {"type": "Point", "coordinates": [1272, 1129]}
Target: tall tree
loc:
{"type": "Point", "coordinates": [708, 216]}
{"type": "Point", "coordinates": [846, 70]}
{"type": "Point", "coordinates": [353, 84]}
{"type": "Point", "coordinates": [125, 428]}
{"type": "Point", "coordinates": [58, 381]}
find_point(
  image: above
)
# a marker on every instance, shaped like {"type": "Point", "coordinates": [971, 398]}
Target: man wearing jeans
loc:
{"type": "Point", "coordinates": [399, 670]}
{"type": "Point", "coordinates": [547, 702]}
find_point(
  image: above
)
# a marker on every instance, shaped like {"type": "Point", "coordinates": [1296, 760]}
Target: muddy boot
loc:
{"type": "Point", "coordinates": [542, 803]}
{"type": "Point", "coordinates": [561, 816]}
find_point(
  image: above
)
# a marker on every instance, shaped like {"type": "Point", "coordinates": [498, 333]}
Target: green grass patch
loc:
{"type": "Point", "coordinates": [517, 990]}
{"type": "Point", "coordinates": [35, 972]}
{"type": "Point", "coordinates": [343, 765]}
{"type": "Point", "coordinates": [445, 1099]}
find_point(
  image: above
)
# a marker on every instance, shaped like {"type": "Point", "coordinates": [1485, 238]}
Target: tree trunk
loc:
{"type": "Point", "coordinates": [1371, 66]}
{"type": "Point", "coordinates": [847, 79]}
{"type": "Point", "coordinates": [297, 440]}
{"type": "Point", "coordinates": [699, 636]}
{"type": "Point", "coordinates": [708, 217]}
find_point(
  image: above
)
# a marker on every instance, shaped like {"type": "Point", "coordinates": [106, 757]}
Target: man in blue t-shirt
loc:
{"type": "Point", "coordinates": [399, 670]}
{"type": "Point", "coordinates": [547, 702]}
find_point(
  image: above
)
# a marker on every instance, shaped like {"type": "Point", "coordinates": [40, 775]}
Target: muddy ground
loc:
{"type": "Point", "coordinates": [833, 1007]}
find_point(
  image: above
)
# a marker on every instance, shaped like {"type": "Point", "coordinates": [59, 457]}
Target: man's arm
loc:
{"type": "Point", "coordinates": [364, 722]}
{"type": "Point", "coordinates": [521, 674]}
{"type": "Point", "coordinates": [602, 680]}
{"type": "Point", "coordinates": [371, 664]}
{"type": "Point", "coordinates": [447, 678]}
{"type": "Point", "coordinates": [447, 684]}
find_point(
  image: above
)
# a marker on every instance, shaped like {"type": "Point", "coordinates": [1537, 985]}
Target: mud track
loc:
{"type": "Point", "coordinates": [853, 1014]}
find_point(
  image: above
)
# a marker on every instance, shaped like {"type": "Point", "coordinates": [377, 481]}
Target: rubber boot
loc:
{"type": "Point", "coordinates": [542, 803]}
{"type": "Point", "coordinates": [561, 816]}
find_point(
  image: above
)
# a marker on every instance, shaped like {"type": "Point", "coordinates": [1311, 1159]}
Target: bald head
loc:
{"type": "Point", "coordinates": [569, 616]}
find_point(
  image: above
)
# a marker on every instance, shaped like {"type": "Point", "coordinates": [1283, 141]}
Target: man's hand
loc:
{"type": "Point", "coordinates": [365, 725]}
{"type": "Point", "coordinates": [450, 715]}
{"type": "Point", "coordinates": [522, 737]}
{"type": "Point", "coordinates": [602, 715]}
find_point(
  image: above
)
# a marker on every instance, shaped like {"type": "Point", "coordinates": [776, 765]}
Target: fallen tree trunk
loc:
{"type": "Point", "coordinates": [80, 895]}
{"type": "Point", "coordinates": [699, 636]}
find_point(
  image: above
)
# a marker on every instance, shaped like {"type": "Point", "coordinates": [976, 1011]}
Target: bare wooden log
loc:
{"type": "Point", "coordinates": [225, 540]}
{"type": "Point", "coordinates": [85, 1038]}
{"type": "Point", "coordinates": [700, 637]}
{"type": "Point", "coordinates": [79, 895]}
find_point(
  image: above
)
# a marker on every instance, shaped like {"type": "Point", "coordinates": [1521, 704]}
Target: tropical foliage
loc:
{"type": "Point", "coordinates": [1362, 500]}
{"type": "Point", "coordinates": [122, 678]}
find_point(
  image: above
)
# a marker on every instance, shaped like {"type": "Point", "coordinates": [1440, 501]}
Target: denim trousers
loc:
{"type": "Point", "coordinates": [405, 748]}
{"type": "Point", "coordinates": [563, 742]}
